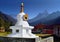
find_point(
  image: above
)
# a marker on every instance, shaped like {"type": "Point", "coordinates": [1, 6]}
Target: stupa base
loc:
{"type": "Point", "coordinates": [11, 39]}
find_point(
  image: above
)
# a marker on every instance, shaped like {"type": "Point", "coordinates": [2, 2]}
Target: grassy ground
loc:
{"type": "Point", "coordinates": [4, 33]}
{"type": "Point", "coordinates": [41, 35]}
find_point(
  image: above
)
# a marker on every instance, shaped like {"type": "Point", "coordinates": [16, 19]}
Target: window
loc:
{"type": "Point", "coordinates": [17, 31]}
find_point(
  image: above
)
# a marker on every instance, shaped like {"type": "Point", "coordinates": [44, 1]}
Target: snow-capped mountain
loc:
{"type": "Point", "coordinates": [48, 19]}
{"type": "Point", "coordinates": [39, 17]}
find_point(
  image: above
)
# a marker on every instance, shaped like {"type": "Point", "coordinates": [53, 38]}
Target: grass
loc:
{"type": "Point", "coordinates": [42, 35]}
{"type": "Point", "coordinates": [4, 34]}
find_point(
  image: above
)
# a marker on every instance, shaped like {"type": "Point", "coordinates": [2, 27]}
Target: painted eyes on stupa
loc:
{"type": "Point", "coordinates": [25, 17]}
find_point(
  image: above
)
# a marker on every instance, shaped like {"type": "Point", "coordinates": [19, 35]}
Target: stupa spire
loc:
{"type": "Point", "coordinates": [22, 7]}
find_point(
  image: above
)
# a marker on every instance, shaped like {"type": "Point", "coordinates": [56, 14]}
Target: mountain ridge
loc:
{"type": "Point", "coordinates": [39, 16]}
{"type": "Point", "coordinates": [6, 20]}
{"type": "Point", "coordinates": [45, 20]}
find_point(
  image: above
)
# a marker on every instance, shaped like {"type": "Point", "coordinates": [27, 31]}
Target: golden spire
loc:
{"type": "Point", "coordinates": [22, 7]}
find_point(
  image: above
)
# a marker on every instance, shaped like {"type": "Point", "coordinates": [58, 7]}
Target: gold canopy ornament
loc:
{"type": "Point", "coordinates": [25, 17]}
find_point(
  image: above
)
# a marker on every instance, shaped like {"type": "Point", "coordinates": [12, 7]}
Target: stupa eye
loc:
{"type": "Point", "coordinates": [25, 17]}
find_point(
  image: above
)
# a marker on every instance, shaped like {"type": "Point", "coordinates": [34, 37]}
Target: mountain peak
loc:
{"type": "Point", "coordinates": [45, 18]}
{"type": "Point", "coordinates": [39, 17]}
{"type": "Point", "coordinates": [45, 12]}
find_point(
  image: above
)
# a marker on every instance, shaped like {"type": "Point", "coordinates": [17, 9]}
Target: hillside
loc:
{"type": "Point", "coordinates": [6, 20]}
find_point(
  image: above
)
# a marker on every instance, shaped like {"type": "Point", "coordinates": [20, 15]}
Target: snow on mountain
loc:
{"type": "Point", "coordinates": [39, 16]}
{"type": "Point", "coordinates": [46, 19]}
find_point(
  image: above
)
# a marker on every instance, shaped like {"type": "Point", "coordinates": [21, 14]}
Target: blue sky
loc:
{"type": "Point", "coordinates": [31, 7]}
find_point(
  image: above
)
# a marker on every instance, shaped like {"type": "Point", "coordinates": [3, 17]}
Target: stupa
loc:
{"type": "Point", "coordinates": [22, 28]}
